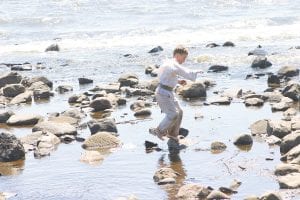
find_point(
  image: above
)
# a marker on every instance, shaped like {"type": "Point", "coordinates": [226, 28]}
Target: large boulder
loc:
{"type": "Point", "coordinates": [13, 90]}
{"type": "Point", "coordinates": [128, 80]}
{"type": "Point", "coordinates": [261, 63]}
{"type": "Point", "coordinates": [192, 90]}
{"type": "Point", "coordinates": [280, 128]}
{"type": "Point", "coordinates": [261, 127]}
{"type": "Point", "coordinates": [192, 191]}
{"type": "Point", "coordinates": [290, 141]}
{"type": "Point", "coordinates": [29, 82]}
{"type": "Point", "coordinates": [22, 98]}
{"type": "Point", "coordinates": [101, 104]}
{"type": "Point", "coordinates": [58, 129]}
{"type": "Point", "coordinates": [11, 148]}
{"type": "Point", "coordinates": [243, 139]}
{"type": "Point", "coordinates": [23, 119]}
{"type": "Point", "coordinates": [101, 141]}
{"type": "Point", "coordinates": [165, 173]}
{"type": "Point", "coordinates": [5, 115]}
{"type": "Point", "coordinates": [288, 71]}
{"type": "Point", "coordinates": [292, 91]}
{"type": "Point", "coordinates": [106, 125]}
{"type": "Point", "coordinates": [284, 169]}
{"type": "Point", "coordinates": [292, 156]}
{"type": "Point", "coordinates": [290, 181]}
{"type": "Point", "coordinates": [10, 78]}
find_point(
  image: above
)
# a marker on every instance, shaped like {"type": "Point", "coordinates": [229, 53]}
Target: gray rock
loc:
{"type": "Point", "coordinates": [290, 181]}
{"type": "Point", "coordinates": [101, 141]}
{"type": "Point", "coordinates": [22, 98]}
{"type": "Point", "coordinates": [11, 148]}
{"type": "Point", "coordinates": [221, 101]}
{"type": "Point", "coordinates": [142, 113]}
{"type": "Point", "coordinates": [212, 45]}
{"type": "Point", "coordinates": [280, 128]}
{"type": "Point", "coordinates": [218, 68]}
{"type": "Point", "coordinates": [164, 173]}
{"type": "Point", "coordinates": [192, 191]}
{"type": "Point", "coordinates": [192, 90]}
{"type": "Point", "coordinates": [290, 112]}
{"type": "Point", "coordinates": [271, 196]}
{"type": "Point", "coordinates": [281, 106]}
{"type": "Point", "coordinates": [261, 127]}
{"type": "Point", "coordinates": [273, 96]}
{"type": "Point", "coordinates": [254, 102]}
{"type": "Point", "coordinates": [52, 47]}
{"type": "Point", "coordinates": [106, 125]}
{"type": "Point", "coordinates": [156, 49]}
{"type": "Point", "coordinates": [24, 119]}
{"type": "Point", "coordinates": [295, 124]}
{"type": "Point", "coordinates": [58, 129]}
{"type": "Point", "coordinates": [78, 98]}
{"type": "Point", "coordinates": [138, 92]}
{"type": "Point", "coordinates": [101, 104]}
{"type": "Point", "coordinates": [138, 105]}
{"type": "Point", "coordinates": [244, 139]}
{"type": "Point", "coordinates": [273, 140]}
{"type": "Point", "coordinates": [112, 88]}
{"type": "Point", "coordinates": [215, 195]}
{"type": "Point", "coordinates": [150, 68]}
{"type": "Point", "coordinates": [284, 169]}
{"type": "Point", "coordinates": [228, 44]}
{"type": "Point", "coordinates": [167, 181]}
{"type": "Point", "coordinates": [288, 71]}
{"type": "Point", "coordinates": [292, 156]}
{"type": "Point", "coordinates": [292, 91]}
{"type": "Point", "coordinates": [13, 90]}
{"type": "Point", "coordinates": [64, 88]}
{"type": "Point", "coordinates": [74, 113]}
{"type": "Point", "coordinates": [218, 146]}
{"type": "Point", "coordinates": [84, 81]}
{"type": "Point", "coordinates": [289, 142]}
{"type": "Point", "coordinates": [10, 78]}
{"type": "Point", "coordinates": [128, 80]}
{"type": "Point", "coordinates": [261, 63]}
{"type": "Point", "coordinates": [28, 83]}
{"type": "Point", "coordinates": [273, 81]}
{"type": "Point", "coordinates": [5, 115]}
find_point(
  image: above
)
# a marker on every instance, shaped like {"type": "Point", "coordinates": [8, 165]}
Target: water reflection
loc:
{"type": "Point", "coordinates": [11, 168]}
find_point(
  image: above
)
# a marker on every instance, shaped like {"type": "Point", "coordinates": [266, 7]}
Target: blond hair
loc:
{"type": "Point", "coordinates": [180, 50]}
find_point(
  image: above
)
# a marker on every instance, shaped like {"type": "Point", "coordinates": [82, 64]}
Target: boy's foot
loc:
{"type": "Point", "coordinates": [156, 132]}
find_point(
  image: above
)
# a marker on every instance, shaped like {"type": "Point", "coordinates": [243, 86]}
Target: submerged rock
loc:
{"type": "Point", "coordinates": [193, 191]}
{"type": "Point", "coordinates": [218, 68]}
{"type": "Point", "coordinates": [92, 157]}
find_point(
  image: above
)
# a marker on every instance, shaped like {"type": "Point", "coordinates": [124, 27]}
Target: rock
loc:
{"type": "Point", "coordinates": [212, 45]}
{"type": "Point", "coordinates": [290, 181]}
{"type": "Point", "coordinates": [24, 119]}
{"type": "Point", "coordinates": [138, 92]}
{"type": "Point", "coordinates": [183, 132]}
{"type": "Point", "coordinates": [106, 125]}
{"type": "Point", "coordinates": [101, 141]}
{"type": "Point", "coordinates": [22, 98]}
{"type": "Point", "coordinates": [273, 140]}
{"type": "Point", "coordinates": [5, 115]}
{"type": "Point", "coordinates": [163, 173]}
{"type": "Point", "coordinates": [167, 181]}
{"type": "Point", "coordinates": [11, 148]}
{"type": "Point", "coordinates": [99, 94]}
{"type": "Point", "coordinates": [218, 68]}
{"type": "Point", "coordinates": [244, 139]}
{"type": "Point", "coordinates": [42, 94]}
{"type": "Point", "coordinates": [290, 112]}
{"type": "Point", "coordinates": [142, 113]}
{"type": "Point", "coordinates": [13, 90]}
{"type": "Point", "coordinates": [281, 106]}
{"type": "Point", "coordinates": [152, 84]}
{"type": "Point", "coordinates": [150, 68]}
{"type": "Point", "coordinates": [228, 44]}
{"type": "Point", "coordinates": [111, 88]}
{"type": "Point", "coordinates": [261, 63]}
{"type": "Point", "coordinates": [292, 91]}
{"type": "Point", "coordinates": [74, 113]}
{"type": "Point", "coordinates": [288, 71]}
{"type": "Point", "coordinates": [64, 88]}
{"type": "Point", "coordinates": [255, 96]}
{"type": "Point", "coordinates": [28, 83]}
{"type": "Point", "coordinates": [273, 96]}
{"type": "Point", "coordinates": [217, 147]}
{"type": "Point", "coordinates": [227, 191]}
{"type": "Point", "coordinates": [10, 78]}
{"type": "Point", "coordinates": [221, 101]}
{"type": "Point", "coordinates": [192, 90]}
{"type": "Point", "coordinates": [46, 144]}
{"type": "Point", "coordinates": [156, 49]}
{"type": "Point", "coordinates": [292, 156]}
{"type": "Point", "coordinates": [284, 169]}
{"type": "Point", "coordinates": [52, 47]}
{"type": "Point", "coordinates": [280, 128]}
{"type": "Point", "coordinates": [39, 85]}
{"type": "Point", "coordinates": [78, 98]}
{"type": "Point", "coordinates": [192, 191]}
{"type": "Point", "coordinates": [252, 197]}
{"type": "Point", "coordinates": [215, 194]}
{"type": "Point", "coordinates": [295, 124]}
{"type": "Point", "coordinates": [290, 141]}
{"type": "Point", "coordinates": [84, 81]}
{"type": "Point", "coordinates": [232, 93]}
{"type": "Point", "coordinates": [92, 157]}
{"type": "Point", "coordinates": [235, 184]}
{"type": "Point", "coordinates": [273, 81]}
{"type": "Point", "coordinates": [58, 129]}
{"type": "Point", "coordinates": [150, 145]}
{"type": "Point", "coordinates": [261, 127]}
{"type": "Point", "coordinates": [271, 196]}
{"type": "Point", "coordinates": [100, 104]}
{"type": "Point", "coordinates": [254, 102]}
{"type": "Point", "coordinates": [121, 101]}
{"type": "Point", "coordinates": [22, 67]}
{"type": "Point", "coordinates": [64, 119]}
{"type": "Point", "coordinates": [258, 52]}
{"type": "Point", "coordinates": [139, 105]}
{"type": "Point", "coordinates": [128, 80]}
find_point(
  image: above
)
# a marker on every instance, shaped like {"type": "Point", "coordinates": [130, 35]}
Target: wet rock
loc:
{"type": "Point", "coordinates": [254, 102]}
{"type": "Point", "coordinates": [192, 191]}
{"type": "Point", "coordinates": [227, 191]}
{"type": "Point", "coordinates": [111, 88]}
{"type": "Point", "coordinates": [295, 124]}
{"type": "Point", "coordinates": [292, 156]}
{"type": "Point", "coordinates": [45, 80]}
{"type": "Point", "coordinates": [58, 129]}
{"type": "Point", "coordinates": [64, 88]}
{"type": "Point", "coordinates": [52, 47]}
{"type": "Point", "coordinates": [183, 132]}
{"type": "Point", "coordinates": [142, 113]}
{"type": "Point", "coordinates": [150, 145]}
{"type": "Point", "coordinates": [221, 101]}
{"type": "Point", "coordinates": [67, 139]}
{"type": "Point", "coordinates": [42, 94]}
{"type": "Point", "coordinates": [218, 68]}
{"type": "Point", "coordinates": [150, 68]}
{"type": "Point", "coordinates": [261, 63]}
{"type": "Point", "coordinates": [273, 140]}
{"type": "Point", "coordinates": [101, 140]}
{"type": "Point", "coordinates": [192, 90]}
{"type": "Point", "coordinates": [273, 96]}
{"type": "Point", "coordinates": [5, 115]}
{"type": "Point", "coordinates": [212, 45]}
{"type": "Point", "coordinates": [22, 98]}
{"type": "Point", "coordinates": [11, 148]}
{"type": "Point", "coordinates": [271, 196]}
{"type": "Point", "coordinates": [280, 128]}
{"type": "Point", "coordinates": [121, 101]}
{"type": "Point", "coordinates": [128, 80]}
{"type": "Point", "coordinates": [92, 157]}
{"type": "Point", "coordinates": [156, 49]}
{"type": "Point", "coordinates": [261, 127]}
{"type": "Point", "coordinates": [138, 92]}
{"type": "Point", "coordinates": [292, 91]}
{"type": "Point", "coordinates": [106, 125]}
{"type": "Point", "coordinates": [46, 144]}
{"type": "Point", "coordinates": [290, 181]}
{"type": "Point", "coordinates": [99, 94]}
{"type": "Point", "coordinates": [84, 81]}
{"type": "Point", "coordinates": [164, 173]}
{"type": "Point", "coordinates": [22, 67]}
{"type": "Point", "coordinates": [100, 104]}
{"type": "Point", "coordinates": [13, 90]}
{"type": "Point", "coordinates": [78, 98]}
{"type": "Point", "coordinates": [288, 71]}
{"type": "Point", "coordinates": [10, 78]}
{"type": "Point", "coordinates": [290, 141]}
{"type": "Point", "coordinates": [215, 194]}
{"type": "Point", "coordinates": [218, 147]}
{"type": "Point", "coordinates": [139, 105]}
{"type": "Point", "coordinates": [284, 169]}
{"type": "Point", "coordinates": [166, 181]}
{"type": "Point", "coordinates": [64, 119]}
{"type": "Point", "coordinates": [228, 44]}
{"type": "Point", "coordinates": [24, 119]}
{"type": "Point", "coordinates": [244, 139]}
{"type": "Point", "coordinates": [273, 81]}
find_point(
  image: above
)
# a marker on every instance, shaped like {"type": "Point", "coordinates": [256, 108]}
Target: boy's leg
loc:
{"type": "Point", "coordinates": [173, 132]}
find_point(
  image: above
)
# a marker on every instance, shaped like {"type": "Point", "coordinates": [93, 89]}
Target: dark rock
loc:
{"type": "Point", "coordinates": [42, 94]}
{"type": "Point", "coordinates": [292, 91]}
{"type": "Point", "coordinates": [273, 80]}
{"type": "Point", "coordinates": [10, 78]}
{"type": "Point", "coordinates": [121, 101]}
{"type": "Point", "coordinates": [11, 148]}
{"type": "Point", "coordinates": [142, 113]}
{"type": "Point", "coordinates": [23, 67]}
{"type": "Point", "coordinates": [5, 115]}
{"type": "Point", "coordinates": [288, 71]}
{"type": "Point", "coordinates": [64, 88]}
{"type": "Point", "coordinates": [244, 139]}
{"type": "Point", "coordinates": [261, 127]}
{"type": "Point", "coordinates": [149, 69]}
{"type": "Point", "coordinates": [261, 63]}
{"type": "Point", "coordinates": [53, 47]}
{"type": "Point", "coordinates": [218, 68]}
{"type": "Point", "coordinates": [212, 45]}
{"type": "Point", "coordinates": [107, 125]}
{"type": "Point", "coordinates": [228, 44]}
{"type": "Point", "coordinates": [85, 81]}
{"type": "Point", "coordinates": [101, 104]}
{"type": "Point", "coordinates": [150, 145]}
{"type": "Point", "coordinates": [156, 49]}
{"type": "Point", "coordinates": [183, 132]}
{"type": "Point", "coordinates": [128, 80]}
{"type": "Point", "coordinates": [13, 90]}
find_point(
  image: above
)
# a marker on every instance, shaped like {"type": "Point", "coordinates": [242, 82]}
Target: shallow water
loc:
{"type": "Point", "coordinates": [94, 36]}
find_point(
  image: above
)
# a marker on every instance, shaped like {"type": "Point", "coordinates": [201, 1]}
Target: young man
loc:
{"type": "Point", "coordinates": [168, 78]}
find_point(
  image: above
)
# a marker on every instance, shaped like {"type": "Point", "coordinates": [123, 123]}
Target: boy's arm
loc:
{"type": "Point", "coordinates": [185, 73]}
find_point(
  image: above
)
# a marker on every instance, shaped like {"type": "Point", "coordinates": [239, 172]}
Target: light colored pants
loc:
{"type": "Point", "coordinates": [173, 113]}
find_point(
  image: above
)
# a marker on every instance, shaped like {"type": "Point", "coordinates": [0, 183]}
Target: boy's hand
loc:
{"type": "Point", "coordinates": [199, 72]}
{"type": "Point", "coordinates": [182, 82]}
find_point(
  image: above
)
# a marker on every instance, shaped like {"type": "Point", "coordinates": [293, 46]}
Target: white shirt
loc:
{"type": "Point", "coordinates": [170, 70]}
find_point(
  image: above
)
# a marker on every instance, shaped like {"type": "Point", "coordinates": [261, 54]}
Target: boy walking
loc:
{"type": "Point", "coordinates": [168, 78]}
